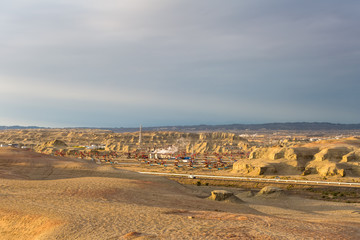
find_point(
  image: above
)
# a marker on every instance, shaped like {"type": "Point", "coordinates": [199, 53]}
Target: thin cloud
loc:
{"type": "Point", "coordinates": [239, 61]}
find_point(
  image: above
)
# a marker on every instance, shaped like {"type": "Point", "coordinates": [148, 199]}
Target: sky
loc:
{"type": "Point", "coordinates": [87, 63]}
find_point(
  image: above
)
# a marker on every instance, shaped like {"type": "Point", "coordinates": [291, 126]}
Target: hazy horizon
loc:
{"type": "Point", "coordinates": [180, 125]}
{"type": "Point", "coordinates": [181, 62]}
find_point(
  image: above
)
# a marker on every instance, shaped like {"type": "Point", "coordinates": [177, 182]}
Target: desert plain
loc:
{"type": "Point", "coordinates": [51, 190]}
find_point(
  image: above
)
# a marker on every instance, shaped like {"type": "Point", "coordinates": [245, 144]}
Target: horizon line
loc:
{"type": "Point", "coordinates": [179, 125]}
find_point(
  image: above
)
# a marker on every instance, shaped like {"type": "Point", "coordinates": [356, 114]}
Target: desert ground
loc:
{"type": "Point", "coordinates": [50, 197]}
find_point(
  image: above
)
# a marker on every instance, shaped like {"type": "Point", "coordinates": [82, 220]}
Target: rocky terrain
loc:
{"type": "Point", "coordinates": [337, 157]}
{"type": "Point", "coordinates": [44, 140]}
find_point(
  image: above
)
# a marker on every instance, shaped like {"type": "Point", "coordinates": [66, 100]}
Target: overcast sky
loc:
{"type": "Point", "coordinates": [123, 63]}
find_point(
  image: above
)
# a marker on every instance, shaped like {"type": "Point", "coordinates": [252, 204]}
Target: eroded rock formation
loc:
{"type": "Point", "coordinates": [327, 158]}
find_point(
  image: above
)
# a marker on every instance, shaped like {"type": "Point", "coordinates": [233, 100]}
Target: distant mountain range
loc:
{"type": "Point", "coordinates": [19, 127]}
{"type": "Point", "coordinates": [295, 126]}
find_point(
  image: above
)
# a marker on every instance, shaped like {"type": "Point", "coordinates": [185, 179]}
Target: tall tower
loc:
{"type": "Point", "coordinates": [140, 136]}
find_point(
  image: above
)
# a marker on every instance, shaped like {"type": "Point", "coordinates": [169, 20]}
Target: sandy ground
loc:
{"type": "Point", "coordinates": [43, 197]}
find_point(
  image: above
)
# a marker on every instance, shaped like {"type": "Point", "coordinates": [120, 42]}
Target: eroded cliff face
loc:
{"type": "Point", "coordinates": [184, 142]}
{"type": "Point", "coordinates": [48, 140]}
{"type": "Point", "coordinates": [327, 158]}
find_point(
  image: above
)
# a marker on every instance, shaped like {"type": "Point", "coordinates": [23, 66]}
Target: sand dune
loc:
{"type": "Point", "coordinates": [45, 197]}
